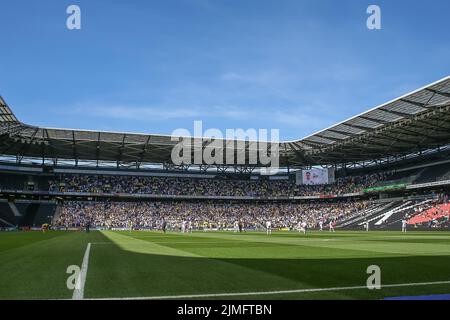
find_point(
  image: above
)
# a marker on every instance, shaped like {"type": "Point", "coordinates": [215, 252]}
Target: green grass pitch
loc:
{"type": "Point", "coordinates": [151, 264]}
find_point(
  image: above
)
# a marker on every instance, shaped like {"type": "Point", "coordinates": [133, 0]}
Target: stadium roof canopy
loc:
{"type": "Point", "coordinates": [413, 123]}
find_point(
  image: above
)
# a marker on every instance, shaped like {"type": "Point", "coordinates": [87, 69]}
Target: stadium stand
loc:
{"type": "Point", "coordinates": [26, 213]}
{"type": "Point", "coordinates": [208, 187]}
{"type": "Point", "coordinates": [358, 219]}
{"type": "Point", "coordinates": [434, 173]}
{"type": "Point", "coordinates": [433, 213]}
{"type": "Point", "coordinates": [210, 214]}
{"type": "Point", "coordinates": [7, 217]}
{"type": "Point", "coordinates": [390, 163]}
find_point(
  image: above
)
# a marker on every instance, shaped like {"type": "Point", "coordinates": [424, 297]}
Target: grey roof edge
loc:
{"type": "Point", "coordinates": [302, 140]}
{"type": "Point", "coordinates": [372, 109]}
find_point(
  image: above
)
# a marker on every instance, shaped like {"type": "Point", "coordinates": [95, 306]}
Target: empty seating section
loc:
{"type": "Point", "coordinates": [400, 212]}
{"type": "Point", "coordinates": [406, 176]}
{"type": "Point", "coordinates": [360, 217]}
{"type": "Point", "coordinates": [10, 181]}
{"type": "Point", "coordinates": [435, 173]}
{"type": "Point", "coordinates": [24, 213]}
{"type": "Point", "coordinates": [7, 217]}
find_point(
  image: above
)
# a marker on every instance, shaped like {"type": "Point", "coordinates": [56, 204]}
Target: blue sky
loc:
{"type": "Point", "coordinates": [155, 66]}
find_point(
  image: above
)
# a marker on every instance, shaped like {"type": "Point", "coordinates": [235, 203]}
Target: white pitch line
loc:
{"type": "Point", "coordinates": [78, 292]}
{"type": "Point", "coordinates": [169, 242]}
{"type": "Point", "coordinates": [258, 293]}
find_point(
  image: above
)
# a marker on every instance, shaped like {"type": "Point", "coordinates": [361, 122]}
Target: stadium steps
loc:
{"type": "Point", "coordinates": [14, 209]}
{"type": "Point", "coordinates": [359, 219]}
{"type": "Point", "coordinates": [395, 222]}
{"type": "Point", "coordinates": [399, 209]}
{"type": "Point", "coordinates": [386, 212]}
{"type": "Point", "coordinates": [378, 222]}
{"type": "Point", "coordinates": [58, 211]}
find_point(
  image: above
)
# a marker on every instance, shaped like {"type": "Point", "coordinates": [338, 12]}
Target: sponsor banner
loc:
{"type": "Point", "coordinates": [354, 194]}
{"type": "Point", "coordinates": [306, 197]}
{"type": "Point", "coordinates": [327, 196]}
{"type": "Point", "coordinates": [428, 184]}
{"type": "Point", "coordinates": [386, 188]}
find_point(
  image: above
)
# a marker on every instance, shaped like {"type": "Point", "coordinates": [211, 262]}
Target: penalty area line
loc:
{"type": "Point", "coordinates": [78, 292]}
{"type": "Point", "coordinates": [259, 293]}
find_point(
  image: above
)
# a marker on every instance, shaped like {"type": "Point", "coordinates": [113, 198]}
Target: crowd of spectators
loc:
{"type": "Point", "coordinates": [433, 214]}
{"type": "Point", "coordinates": [209, 187]}
{"type": "Point", "coordinates": [203, 215]}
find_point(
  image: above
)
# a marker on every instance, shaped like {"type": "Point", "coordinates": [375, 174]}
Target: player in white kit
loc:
{"type": "Point", "coordinates": [268, 227]}
{"type": "Point", "coordinates": [366, 225]}
{"type": "Point", "coordinates": [404, 223]}
{"type": "Point", "coordinates": [321, 225]}
{"type": "Point", "coordinates": [303, 225]}
{"type": "Point", "coordinates": [331, 226]}
{"type": "Point", "coordinates": [236, 226]}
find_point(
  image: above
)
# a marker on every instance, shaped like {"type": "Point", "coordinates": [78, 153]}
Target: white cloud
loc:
{"type": "Point", "coordinates": [292, 118]}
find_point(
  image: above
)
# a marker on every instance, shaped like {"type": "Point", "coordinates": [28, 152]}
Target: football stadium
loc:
{"type": "Point", "coordinates": [108, 215]}
{"type": "Point", "coordinates": [224, 158]}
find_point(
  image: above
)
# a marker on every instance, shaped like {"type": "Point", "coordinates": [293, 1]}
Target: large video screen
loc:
{"type": "Point", "coordinates": [315, 176]}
